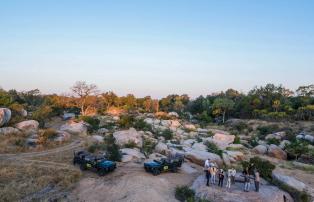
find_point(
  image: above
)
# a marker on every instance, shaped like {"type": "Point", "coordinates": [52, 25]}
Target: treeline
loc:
{"type": "Point", "coordinates": [268, 102]}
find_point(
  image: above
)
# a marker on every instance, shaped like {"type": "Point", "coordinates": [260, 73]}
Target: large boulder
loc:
{"type": "Point", "coordinates": [199, 157]}
{"type": "Point", "coordinates": [132, 155]}
{"type": "Point", "coordinates": [5, 116]}
{"type": "Point", "coordinates": [175, 124]}
{"type": "Point", "coordinates": [161, 148]}
{"type": "Point", "coordinates": [223, 140]}
{"type": "Point", "coordinates": [284, 143]}
{"type": "Point", "coordinates": [9, 131]}
{"type": "Point", "coordinates": [309, 138]}
{"type": "Point", "coordinates": [288, 181]}
{"type": "Point", "coordinates": [30, 126]}
{"type": "Point", "coordinates": [97, 138]}
{"type": "Point", "coordinates": [267, 193]}
{"type": "Point", "coordinates": [102, 131]}
{"type": "Point", "coordinates": [199, 146]}
{"type": "Point", "coordinates": [260, 149]}
{"type": "Point", "coordinates": [126, 136]}
{"type": "Point", "coordinates": [165, 123]}
{"type": "Point", "coordinates": [235, 155]}
{"type": "Point", "coordinates": [75, 128]}
{"type": "Point", "coordinates": [276, 152]}
{"type": "Point", "coordinates": [190, 127]}
{"type": "Point", "coordinates": [62, 136]}
{"type": "Point", "coordinates": [278, 135]}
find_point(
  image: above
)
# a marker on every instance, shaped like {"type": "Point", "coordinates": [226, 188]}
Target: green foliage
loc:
{"type": "Point", "coordinates": [253, 141]}
{"type": "Point", "coordinates": [112, 149]}
{"type": "Point", "coordinates": [126, 121]}
{"type": "Point", "coordinates": [167, 134]}
{"type": "Point", "coordinates": [96, 147]}
{"type": "Point", "coordinates": [274, 141]}
{"type": "Point", "coordinates": [92, 121]}
{"type": "Point", "coordinates": [264, 167]}
{"type": "Point", "coordinates": [148, 146]}
{"type": "Point", "coordinates": [213, 148]}
{"type": "Point", "coordinates": [184, 193]}
{"type": "Point", "coordinates": [240, 126]}
{"type": "Point", "coordinates": [140, 124]}
{"type": "Point", "coordinates": [296, 149]}
{"type": "Point", "coordinates": [237, 140]}
{"type": "Point", "coordinates": [130, 144]}
{"type": "Point", "coordinates": [265, 130]}
{"type": "Point", "coordinates": [41, 114]}
{"type": "Point", "coordinates": [221, 106]}
{"type": "Point", "coordinates": [5, 98]}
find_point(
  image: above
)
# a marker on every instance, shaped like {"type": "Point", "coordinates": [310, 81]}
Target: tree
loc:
{"type": "Point", "coordinates": [222, 106]}
{"type": "Point", "coordinates": [276, 105]}
{"type": "Point", "coordinates": [84, 92]}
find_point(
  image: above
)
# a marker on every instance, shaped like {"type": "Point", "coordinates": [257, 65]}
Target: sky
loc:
{"type": "Point", "coordinates": [156, 47]}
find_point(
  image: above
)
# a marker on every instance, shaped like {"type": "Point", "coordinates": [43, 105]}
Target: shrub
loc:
{"type": "Point", "coordinates": [237, 140]}
{"type": "Point", "coordinates": [213, 148]}
{"type": "Point", "coordinates": [41, 114]}
{"type": "Point", "coordinates": [265, 130]}
{"type": "Point", "coordinates": [47, 134]}
{"type": "Point", "coordinates": [126, 121]}
{"type": "Point", "coordinates": [130, 144]}
{"type": "Point", "coordinates": [148, 146]}
{"type": "Point", "coordinates": [95, 147]}
{"type": "Point", "coordinates": [240, 126]}
{"type": "Point", "coordinates": [253, 141]}
{"type": "Point", "coordinates": [264, 167]}
{"type": "Point", "coordinates": [274, 141]}
{"type": "Point", "coordinates": [184, 193]}
{"type": "Point", "coordinates": [140, 124]}
{"type": "Point", "coordinates": [92, 121]}
{"type": "Point", "coordinates": [296, 149]}
{"type": "Point", "coordinates": [167, 134]}
{"type": "Point", "coordinates": [112, 150]}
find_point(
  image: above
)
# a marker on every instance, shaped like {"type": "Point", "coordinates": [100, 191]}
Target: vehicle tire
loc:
{"type": "Point", "coordinates": [156, 171]}
{"type": "Point", "coordinates": [83, 167]}
{"type": "Point", "coordinates": [101, 172]}
{"type": "Point", "coordinates": [74, 161]}
{"type": "Point", "coordinates": [174, 169]}
{"type": "Point", "coordinates": [146, 169]}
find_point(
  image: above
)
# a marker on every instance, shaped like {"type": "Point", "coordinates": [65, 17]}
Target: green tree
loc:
{"type": "Point", "coordinates": [221, 106]}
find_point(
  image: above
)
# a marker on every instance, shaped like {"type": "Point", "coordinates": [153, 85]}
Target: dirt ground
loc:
{"type": "Point", "coordinates": [131, 183]}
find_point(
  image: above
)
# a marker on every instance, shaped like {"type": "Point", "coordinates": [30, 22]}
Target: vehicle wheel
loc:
{"type": "Point", "coordinates": [82, 167]}
{"type": "Point", "coordinates": [146, 169]}
{"type": "Point", "coordinates": [174, 169]}
{"type": "Point", "coordinates": [156, 171]}
{"type": "Point", "coordinates": [74, 162]}
{"type": "Point", "coordinates": [101, 172]}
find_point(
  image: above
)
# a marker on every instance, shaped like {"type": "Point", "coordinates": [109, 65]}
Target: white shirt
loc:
{"type": "Point", "coordinates": [207, 164]}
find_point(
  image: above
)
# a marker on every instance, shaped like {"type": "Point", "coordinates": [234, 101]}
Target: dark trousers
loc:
{"type": "Point", "coordinates": [220, 182]}
{"type": "Point", "coordinates": [256, 186]}
{"type": "Point", "coordinates": [232, 180]}
{"type": "Point", "coordinates": [207, 177]}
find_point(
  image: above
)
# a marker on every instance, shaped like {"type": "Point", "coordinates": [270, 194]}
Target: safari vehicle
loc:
{"type": "Point", "coordinates": [164, 165]}
{"type": "Point", "coordinates": [88, 161]}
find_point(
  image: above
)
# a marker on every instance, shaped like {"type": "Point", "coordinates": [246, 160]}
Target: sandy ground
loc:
{"type": "Point", "coordinates": [131, 183]}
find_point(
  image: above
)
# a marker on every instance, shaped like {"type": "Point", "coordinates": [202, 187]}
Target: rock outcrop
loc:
{"type": "Point", "coordinates": [132, 155]}
{"type": "Point", "coordinates": [126, 136]}
{"type": "Point", "coordinates": [199, 157]}
{"type": "Point", "coordinates": [260, 149]}
{"type": "Point", "coordinates": [289, 181]}
{"type": "Point", "coordinates": [75, 128]}
{"type": "Point", "coordinates": [5, 116]}
{"type": "Point", "coordinates": [9, 131]}
{"type": "Point", "coordinates": [276, 152]}
{"type": "Point", "coordinates": [29, 127]}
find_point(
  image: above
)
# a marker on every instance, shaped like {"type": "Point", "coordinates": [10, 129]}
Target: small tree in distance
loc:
{"type": "Point", "coordinates": [85, 93]}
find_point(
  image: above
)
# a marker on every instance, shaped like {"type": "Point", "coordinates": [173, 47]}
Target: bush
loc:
{"type": "Point", "coordinates": [47, 134]}
{"type": "Point", "coordinates": [237, 140]}
{"type": "Point", "coordinates": [112, 150]}
{"type": "Point", "coordinates": [296, 149]}
{"type": "Point", "coordinates": [140, 124]}
{"type": "Point", "coordinates": [265, 130]}
{"type": "Point", "coordinates": [184, 193]}
{"type": "Point", "coordinates": [167, 134]}
{"type": "Point", "coordinates": [92, 121]}
{"type": "Point", "coordinates": [253, 141]}
{"type": "Point", "coordinates": [213, 148]}
{"type": "Point", "coordinates": [264, 167]}
{"type": "Point", "coordinates": [130, 144]}
{"type": "Point", "coordinates": [148, 146]}
{"type": "Point", "coordinates": [274, 141]}
{"type": "Point", "coordinates": [240, 126]}
{"type": "Point", "coordinates": [126, 121]}
{"type": "Point", "coordinates": [95, 147]}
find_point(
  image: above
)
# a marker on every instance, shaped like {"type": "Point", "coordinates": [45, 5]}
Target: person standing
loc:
{"type": "Point", "coordinates": [246, 182]}
{"type": "Point", "coordinates": [213, 171]}
{"type": "Point", "coordinates": [207, 171]}
{"type": "Point", "coordinates": [229, 175]}
{"type": "Point", "coordinates": [233, 174]}
{"type": "Point", "coordinates": [256, 180]}
{"type": "Point", "coordinates": [221, 176]}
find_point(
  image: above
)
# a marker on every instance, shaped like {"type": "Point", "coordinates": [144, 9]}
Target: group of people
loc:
{"type": "Point", "coordinates": [211, 170]}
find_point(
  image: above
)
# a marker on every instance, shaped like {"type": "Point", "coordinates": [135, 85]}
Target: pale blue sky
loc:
{"type": "Point", "coordinates": [156, 47]}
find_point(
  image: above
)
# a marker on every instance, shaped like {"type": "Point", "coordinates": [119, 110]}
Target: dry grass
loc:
{"type": "Point", "coordinates": [18, 181]}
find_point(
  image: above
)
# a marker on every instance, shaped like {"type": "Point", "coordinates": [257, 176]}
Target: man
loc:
{"type": "Point", "coordinates": [246, 182]}
{"type": "Point", "coordinates": [207, 171]}
{"type": "Point", "coordinates": [233, 174]}
{"type": "Point", "coordinates": [221, 176]}
{"type": "Point", "coordinates": [256, 180]}
{"type": "Point", "coordinates": [229, 175]}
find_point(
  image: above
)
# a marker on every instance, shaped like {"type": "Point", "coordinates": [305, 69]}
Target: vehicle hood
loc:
{"type": "Point", "coordinates": [153, 164]}
{"type": "Point", "coordinates": [107, 163]}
